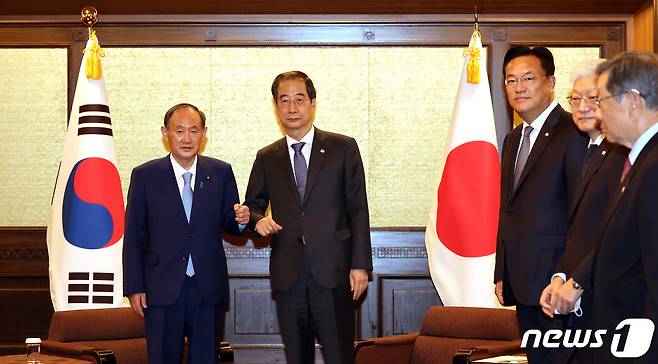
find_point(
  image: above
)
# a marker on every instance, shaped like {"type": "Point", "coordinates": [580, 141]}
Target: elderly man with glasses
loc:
{"type": "Point", "coordinates": [625, 270]}
{"type": "Point", "coordinates": [599, 182]}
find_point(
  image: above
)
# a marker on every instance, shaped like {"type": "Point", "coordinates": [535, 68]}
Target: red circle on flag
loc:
{"type": "Point", "coordinates": [469, 199]}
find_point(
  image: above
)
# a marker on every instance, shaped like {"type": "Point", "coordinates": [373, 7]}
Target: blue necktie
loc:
{"type": "Point", "coordinates": [187, 205]}
{"type": "Point", "coordinates": [300, 169]}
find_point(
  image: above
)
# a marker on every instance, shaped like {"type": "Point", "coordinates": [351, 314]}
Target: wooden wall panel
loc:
{"type": "Point", "coordinates": [643, 28]}
{"type": "Point", "coordinates": [404, 301]}
{"type": "Point", "coordinates": [25, 306]}
{"type": "Point", "coordinates": [252, 312]}
{"type": "Point", "coordinates": [398, 294]}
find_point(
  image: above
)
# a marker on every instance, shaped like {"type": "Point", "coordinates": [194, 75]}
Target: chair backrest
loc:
{"type": "Point", "coordinates": [119, 330]}
{"type": "Point", "coordinates": [98, 324]}
{"type": "Point", "coordinates": [446, 329]}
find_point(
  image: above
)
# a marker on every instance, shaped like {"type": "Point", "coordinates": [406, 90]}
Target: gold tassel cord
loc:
{"type": "Point", "coordinates": [473, 66]}
{"type": "Point", "coordinates": [93, 68]}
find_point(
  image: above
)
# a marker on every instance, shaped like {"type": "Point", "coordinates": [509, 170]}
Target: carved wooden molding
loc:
{"type": "Point", "coordinates": [23, 253]}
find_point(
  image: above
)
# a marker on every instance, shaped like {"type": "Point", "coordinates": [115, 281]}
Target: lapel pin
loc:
{"type": "Point", "coordinates": [321, 150]}
{"type": "Point", "coordinates": [207, 179]}
{"type": "Point", "coordinates": [623, 188]}
{"type": "Point", "coordinates": [604, 152]}
{"type": "Point", "coordinates": [547, 134]}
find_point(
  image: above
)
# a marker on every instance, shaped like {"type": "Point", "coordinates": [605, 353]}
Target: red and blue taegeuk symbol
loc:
{"type": "Point", "coordinates": [92, 210]}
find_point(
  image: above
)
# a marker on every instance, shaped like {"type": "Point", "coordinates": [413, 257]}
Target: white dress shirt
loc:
{"type": "Point", "coordinates": [306, 149]}
{"type": "Point", "coordinates": [536, 124]}
{"type": "Point", "coordinates": [641, 142]}
{"type": "Point", "coordinates": [178, 173]}
{"type": "Point", "coordinates": [597, 141]}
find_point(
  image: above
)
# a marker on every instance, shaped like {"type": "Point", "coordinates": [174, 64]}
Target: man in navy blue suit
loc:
{"type": "Point", "coordinates": [175, 272]}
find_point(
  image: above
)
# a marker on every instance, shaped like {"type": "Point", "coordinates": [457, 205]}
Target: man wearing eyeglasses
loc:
{"type": "Point", "coordinates": [541, 169]}
{"type": "Point", "coordinates": [599, 183]}
{"type": "Point", "coordinates": [625, 272]}
{"type": "Point", "coordinates": [314, 183]}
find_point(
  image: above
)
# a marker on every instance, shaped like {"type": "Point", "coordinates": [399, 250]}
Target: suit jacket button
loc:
{"type": "Point", "coordinates": [189, 235]}
{"type": "Point", "coordinates": [302, 213]}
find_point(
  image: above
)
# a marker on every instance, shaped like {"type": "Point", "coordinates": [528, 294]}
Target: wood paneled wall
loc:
{"type": "Point", "coordinates": [397, 297]}
{"type": "Point", "coordinates": [643, 29]}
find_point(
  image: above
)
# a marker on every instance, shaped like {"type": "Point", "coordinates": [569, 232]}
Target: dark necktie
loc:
{"type": "Point", "coordinates": [624, 172]}
{"type": "Point", "coordinates": [300, 169]}
{"type": "Point", "coordinates": [588, 156]}
{"type": "Point", "coordinates": [523, 155]}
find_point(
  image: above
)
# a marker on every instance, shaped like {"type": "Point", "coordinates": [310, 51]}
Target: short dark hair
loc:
{"type": "Point", "coordinates": [177, 107]}
{"type": "Point", "coordinates": [293, 75]}
{"type": "Point", "coordinates": [542, 53]}
{"type": "Point", "coordinates": [632, 70]}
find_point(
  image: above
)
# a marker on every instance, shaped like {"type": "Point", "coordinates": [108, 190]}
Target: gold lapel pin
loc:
{"type": "Point", "coordinates": [321, 150]}
{"type": "Point", "coordinates": [547, 134]}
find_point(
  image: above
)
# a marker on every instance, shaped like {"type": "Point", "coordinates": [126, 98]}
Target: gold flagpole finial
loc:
{"type": "Point", "coordinates": [476, 27]}
{"type": "Point", "coordinates": [89, 17]}
{"type": "Point", "coordinates": [93, 70]}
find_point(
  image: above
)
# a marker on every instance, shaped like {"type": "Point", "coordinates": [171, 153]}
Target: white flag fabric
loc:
{"type": "Point", "coordinates": [85, 228]}
{"type": "Point", "coordinates": [463, 222]}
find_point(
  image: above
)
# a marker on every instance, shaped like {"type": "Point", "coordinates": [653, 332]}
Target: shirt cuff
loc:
{"type": "Point", "coordinates": [561, 275]}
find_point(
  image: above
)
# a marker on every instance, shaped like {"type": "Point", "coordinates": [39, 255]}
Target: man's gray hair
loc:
{"type": "Point", "coordinates": [585, 69]}
{"type": "Point", "coordinates": [632, 71]}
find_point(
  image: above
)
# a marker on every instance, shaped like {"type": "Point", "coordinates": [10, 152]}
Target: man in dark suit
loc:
{"type": "Point", "coordinates": [625, 271]}
{"type": "Point", "coordinates": [541, 169]}
{"type": "Point", "coordinates": [175, 273]}
{"type": "Point", "coordinates": [314, 183]}
{"type": "Point", "coordinates": [600, 181]}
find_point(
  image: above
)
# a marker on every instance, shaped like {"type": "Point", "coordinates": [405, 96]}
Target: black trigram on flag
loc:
{"type": "Point", "coordinates": [94, 119]}
{"type": "Point", "coordinates": [91, 287]}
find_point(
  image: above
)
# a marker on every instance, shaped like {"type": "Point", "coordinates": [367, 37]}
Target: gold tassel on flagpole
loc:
{"type": "Point", "coordinates": [93, 68]}
{"type": "Point", "coordinates": [473, 66]}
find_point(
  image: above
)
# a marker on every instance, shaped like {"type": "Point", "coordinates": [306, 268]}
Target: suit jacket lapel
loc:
{"type": "Point", "coordinates": [614, 203]}
{"type": "Point", "coordinates": [592, 167]}
{"type": "Point", "coordinates": [318, 152]}
{"type": "Point", "coordinates": [282, 158]}
{"type": "Point", "coordinates": [199, 186]}
{"type": "Point", "coordinates": [170, 186]}
{"type": "Point", "coordinates": [545, 135]}
{"type": "Point", "coordinates": [648, 149]}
